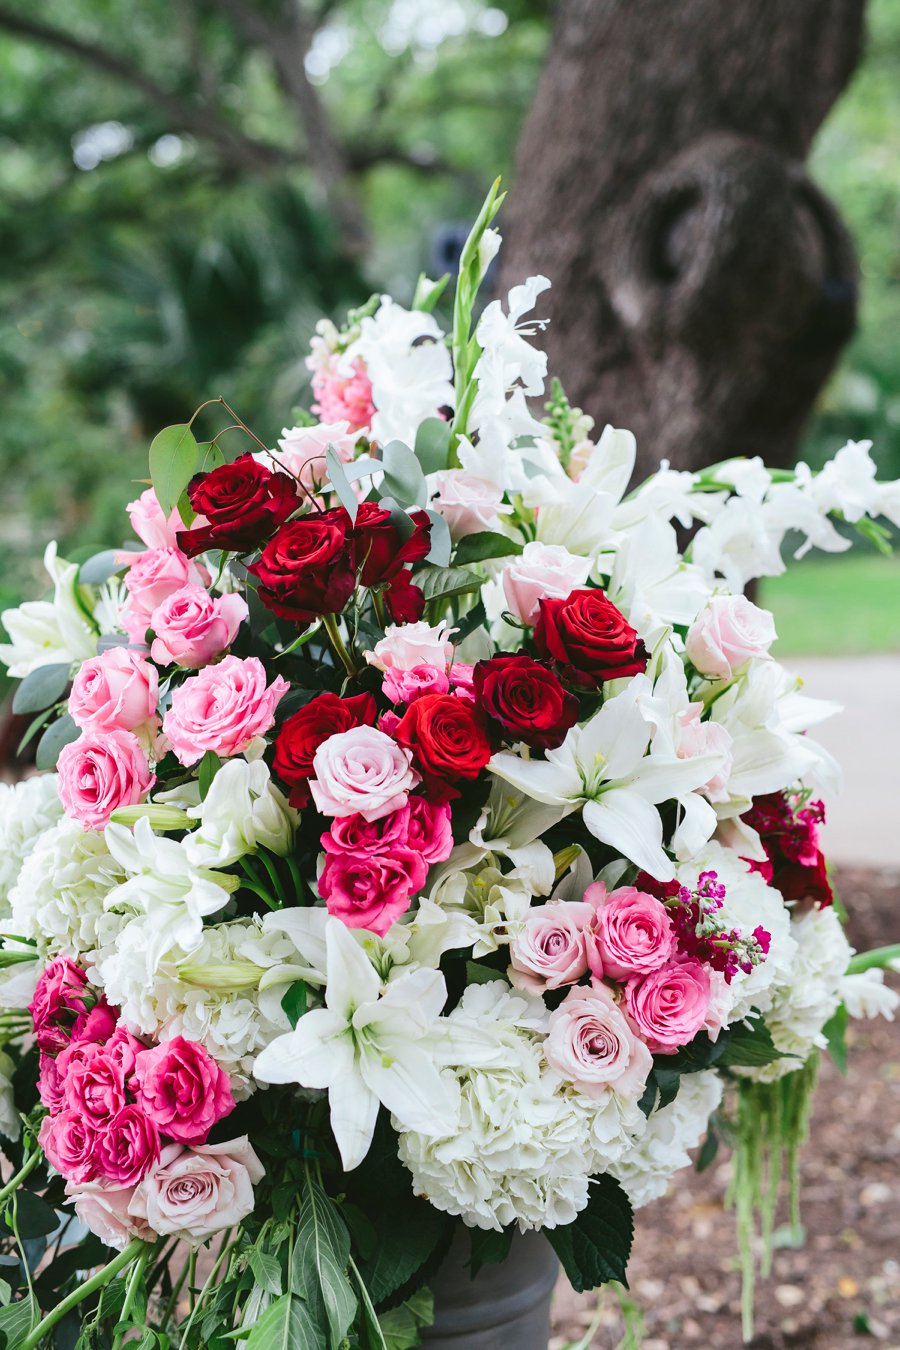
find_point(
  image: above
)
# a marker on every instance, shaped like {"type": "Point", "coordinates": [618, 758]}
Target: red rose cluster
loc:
{"type": "Point", "coordinates": [789, 831]}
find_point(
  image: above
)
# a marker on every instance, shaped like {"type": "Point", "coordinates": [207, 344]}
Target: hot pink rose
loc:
{"type": "Point", "coordinates": [430, 831]}
{"type": "Point", "coordinates": [118, 688]}
{"type": "Point", "coordinates": [403, 686]}
{"type": "Point", "coordinates": [152, 577]}
{"type": "Point", "coordinates": [192, 1193]}
{"type": "Point", "coordinates": [222, 709]}
{"type": "Point", "coordinates": [94, 1084]}
{"type": "Point", "coordinates": [149, 523]}
{"type": "Point", "coordinates": [191, 628]}
{"type": "Point", "coordinates": [182, 1089]}
{"type": "Point", "coordinates": [356, 835]}
{"type": "Point", "coordinates": [631, 932]}
{"type": "Point", "coordinates": [127, 1147]}
{"type": "Point", "coordinates": [550, 951]}
{"type": "Point", "coordinates": [669, 1006]}
{"type": "Point", "coordinates": [124, 1049]}
{"type": "Point", "coordinates": [591, 1045]}
{"type": "Point", "coordinates": [50, 1085]}
{"type": "Point", "coordinates": [96, 1025]}
{"type": "Point", "coordinates": [343, 396]}
{"type": "Point", "coordinates": [468, 504]}
{"type": "Point", "coordinates": [69, 1141]}
{"type": "Point", "coordinates": [303, 451]}
{"type": "Point", "coordinates": [727, 633]}
{"type": "Point", "coordinates": [696, 737]}
{"type": "Point", "coordinates": [100, 772]}
{"type": "Point", "coordinates": [541, 572]}
{"type": "Point", "coordinates": [405, 646]}
{"type": "Point", "coordinates": [361, 771]}
{"type": "Point", "coordinates": [58, 1003]}
{"type": "Point", "coordinates": [103, 1207]}
{"type": "Point", "coordinates": [371, 890]}
{"type": "Point", "coordinates": [462, 677]}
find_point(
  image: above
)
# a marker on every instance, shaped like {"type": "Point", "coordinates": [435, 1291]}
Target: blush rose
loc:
{"type": "Point", "coordinates": [192, 1193]}
{"type": "Point", "coordinates": [728, 633]}
{"type": "Point", "coordinates": [222, 709]}
{"type": "Point", "coordinates": [590, 1044]}
{"type": "Point", "coordinates": [550, 951]}
{"type": "Point", "coordinates": [191, 628]}
{"type": "Point", "coordinates": [118, 688]}
{"type": "Point", "coordinates": [361, 771]}
{"type": "Point", "coordinates": [100, 772]}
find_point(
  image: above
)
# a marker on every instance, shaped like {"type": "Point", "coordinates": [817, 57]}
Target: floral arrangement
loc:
{"type": "Point", "coordinates": [425, 838]}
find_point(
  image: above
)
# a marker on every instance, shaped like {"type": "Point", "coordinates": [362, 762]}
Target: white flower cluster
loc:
{"type": "Point", "coordinates": [27, 811]}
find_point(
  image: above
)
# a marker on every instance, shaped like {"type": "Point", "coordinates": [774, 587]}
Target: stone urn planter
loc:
{"type": "Point", "coordinates": [505, 1307]}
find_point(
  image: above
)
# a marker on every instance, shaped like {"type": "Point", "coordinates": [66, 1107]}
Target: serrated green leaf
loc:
{"type": "Point", "coordinates": [487, 544]}
{"type": "Point", "coordinates": [61, 733]}
{"type": "Point", "coordinates": [287, 1324]}
{"type": "Point", "coordinates": [403, 1249]}
{"type": "Point", "coordinates": [488, 1247]}
{"type": "Point", "coordinates": [266, 1270]}
{"type": "Point", "coordinates": [42, 688]}
{"type": "Point", "coordinates": [748, 1047]}
{"type": "Point", "coordinates": [321, 1256]}
{"type": "Point", "coordinates": [595, 1247]}
{"type": "Point", "coordinates": [174, 459]}
{"type": "Point", "coordinates": [440, 582]}
{"type": "Point", "coordinates": [433, 444]}
{"type": "Point", "coordinates": [835, 1032]}
{"type": "Point", "coordinates": [403, 476]}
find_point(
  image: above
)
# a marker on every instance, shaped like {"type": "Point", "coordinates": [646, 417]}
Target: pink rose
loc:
{"type": "Point", "coordinates": [103, 1207]}
{"type": "Point", "coordinates": [429, 831]}
{"type": "Point", "coordinates": [303, 451]}
{"type": "Point", "coordinates": [462, 677]}
{"type": "Point", "coordinates": [222, 709]}
{"type": "Point", "coordinates": [96, 1025]}
{"type": "Point", "coordinates": [58, 1003]}
{"type": "Point", "coordinates": [100, 772]}
{"type": "Point", "coordinates": [669, 1006]}
{"type": "Point", "coordinates": [550, 950]}
{"type": "Point", "coordinates": [150, 525]}
{"type": "Point", "coordinates": [468, 504]}
{"type": "Point", "coordinates": [631, 934]}
{"type": "Point", "coordinates": [127, 1147]}
{"type": "Point", "coordinates": [191, 628]}
{"type": "Point", "coordinates": [50, 1085]}
{"type": "Point", "coordinates": [193, 1193]}
{"type": "Point", "coordinates": [69, 1141]}
{"type": "Point", "coordinates": [355, 834]}
{"type": "Point", "coordinates": [182, 1089]}
{"type": "Point", "coordinates": [371, 890]}
{"type": "Point", "coordinates": [592, 1046]}
{"type": "Point", "coordinates": [94, 1084]}
{"type": "Point", "coordinates": [541, 572]}
{"type": "Point", "coordinates": [124, 1049]}
{"type": "Point", "coordinates": [695, 737]}
{"type": "Point", "coordinates": [118, 688]}
{"type": "Point", "coordinates": [729, 632]}
{"type": "Point", "coordinates": [361, 771]}
{"type": "Point", "coordinates": [403, 686]}
{"type": "Point", "coordinates": [150, 579]}
{"type": "Point", "coordinates": [405, 646]}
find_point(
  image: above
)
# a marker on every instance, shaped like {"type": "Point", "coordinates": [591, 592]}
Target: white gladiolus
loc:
{"type": "Point", "coordinates": [411, 377]}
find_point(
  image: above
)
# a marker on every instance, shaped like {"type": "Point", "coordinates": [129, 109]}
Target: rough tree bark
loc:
{"type": "Point", "coordinates": [703, 286]}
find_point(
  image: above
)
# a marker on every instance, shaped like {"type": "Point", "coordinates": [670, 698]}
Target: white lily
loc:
{"type": "Point", "coordinates": [367, 1047]}
{"type": "Point", "coordinates": [49, 632]}
{"type": "Point", "coordinates": [604, 768]}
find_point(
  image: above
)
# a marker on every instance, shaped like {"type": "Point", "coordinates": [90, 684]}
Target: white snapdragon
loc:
{"type": "Point", "coordinates": [49, 632]}
{"type": "Point", "coordinates": [243, 811]}
{"type": "Point", "coordinates": [409, 366]}
{"type": "Point", "coordinates": [27, 811]}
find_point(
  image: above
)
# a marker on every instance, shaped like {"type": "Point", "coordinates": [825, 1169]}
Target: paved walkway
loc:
{"type": "Point", "coordinates": [864, 820]}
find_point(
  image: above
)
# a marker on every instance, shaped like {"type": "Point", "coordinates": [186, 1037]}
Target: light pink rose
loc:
{"type": "Point", "coordinates": [696, 737]}
{"type": "Point", "coordinates": [103, 1207]}
{"type": "Point", "coordinates": [361, 771]}
{"type": "Point", "coordinates": [118, 688]}
{"type": "Point", "coordinates": [150, 525]}
{"type": "Point", "coordinates": [468, 504]}
{"type": "Point", "coordinates": [191, 628]}
{"type": "Point", "coordinates": [403, 686]}
{"type": "Point", "coordinates": [430, 832]}
{"type": "Point", "coordinates": [591, 1045]}
{"type": "Point", "coordinates": [194, 1192]}
{"type": "Point", "coordinates": [541, 572]}
{"type": "Point", "coordinates": [69, 1141]}
{"type": "Point", "coordinates": [152, 577]}
{"type": "Point", "coordinates": [631, 932]}
{"type": "Point", "coordinates": [182, 1089]}
{"type": "Point", "coordinates": [405, 646]}
{"type": "Point", "coordinates": [669, 1006]}
{"type": "Point", "coordinates": [371, 890]}
{"type": "Point", "coordinates": [550, 950]}
{"type": "Point", "coordinates": [222, 709]}
{"type": "Point", "coordinates": [303, 450]}
{"type": "Point", "coordinates": [127, 1147]}
{"type": "Point", "coordinates": [727, 633]}
{"type": "Point", "coordinates": [100, 772]}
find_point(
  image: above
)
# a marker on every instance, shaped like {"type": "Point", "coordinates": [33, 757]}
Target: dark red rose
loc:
{"type": "Point", "coordinates": [404, 599]}
{"type": "Point", "coordinates": [526, 699]}
{"type": "Point", "coordinates": [449, 740]}
{"type": "Point", "coordinates": [587, 635]}
{"type": "Point", "coordinates": [243, 502]}
{"type": "Point", "coordinates": [303, 733]}
{"type": "Point", "coordinates": [307, 570]}
{"type": "Point", "coordinates": [379, 549]}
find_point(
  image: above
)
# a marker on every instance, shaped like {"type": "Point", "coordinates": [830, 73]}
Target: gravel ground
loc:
{"type": "Point", "coordinates": [842, 1289]}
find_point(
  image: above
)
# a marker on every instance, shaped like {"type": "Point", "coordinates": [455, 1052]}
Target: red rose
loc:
{"type": "Point", "coordinates": [307, 569]}
{"type": "Point", "coordinates": [526, 699]}
{"type": "Point", "coordinates": [590, 637]}
{"type": "Point", "coordinates": [379, 549]}
{"type": "Point", "coordinates": [243, 502]}
{"type": "Point", "coordinates": [404, 599]}
{"type": "Point", "coordinates": [449, 740]}
{"type": "Point", "coordinates": [303, 733]}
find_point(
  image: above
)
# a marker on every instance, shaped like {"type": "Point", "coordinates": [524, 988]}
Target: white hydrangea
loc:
{"type": "Point", "coordinates": [242, 812]}
{"type": "Point", "coordinates": [10, 1124]}
{"type": "Point", "coordinates": [59, 899]}
{"type": "Point", "coordinates": [671, 1132]}
{"type": "Point", "coordinates": [27, 810]}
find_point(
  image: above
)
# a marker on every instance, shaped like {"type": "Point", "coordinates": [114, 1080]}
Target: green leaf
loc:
{"type": "Point", "coordinates": [404, 1247]}
{"type": "Point", "coordinates": [266, 1270]}
{"type": "Point", "coordinates": [477, 547]}
{"type": "Point", "coordinates": [835, 1032]}
{"type": "Point", "coordinates": [748, 1047]}
{"type": "Point", "coordinates": [474, 618]}
{"type": "Point", "coordinates": [294, 1001]}
{"type": "Point", "coordinates": [209, 766]}
{"type": "Point", "coordinates": [403, 476]}
{"type": "Point", "coordinates": [489, 1247]}
{"type": "Point", "coordinates": [440, 582]}
{"type": "Point", "coordinates": [341, 483]}
{"type": "Point", "coordinates": [42, 688]}
{"type": "Point", "coordinates": [34, 1217]}
{"type": "Point", "coordinates": [17, 1320]}
{"type": "Point", "coordinates": [433, 444]}
{"type": "Point", "coordinates": [321, 1254]}
{"type": "Point", "coordinates": [60, 734]}
{"type": "Point", "coordinates": [287, 1324]}
{"type": "Point", "coordinates": [708, 1150]}
{"type": "Point", "coordinates": [101, 567]}
{"type": "Point", "coordinates": [441, 543]}
{"type": "Point", "coordinates": [476, 974]}
{"type": "Point", "coordinates": [371, 1326]}
{"type": "Point", "coordinates": [595, 1248]}
{"type": "Point", "coordinates": [174, 459]}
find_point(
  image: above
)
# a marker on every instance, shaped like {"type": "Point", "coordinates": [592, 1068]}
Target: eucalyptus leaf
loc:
{"type": "Point", "coordinates": [61, 733]}
{"type": "Point", "coordinates": [403, 476]}
{"type": "Point", "coordinates": [441, 543]}
{"type": "Point", "coordinates": [42, 688]}
{"type": "Point", "coordinates": [174, 459]}
{"type": "Point", "coordinates": [101, 567]}
{"type": "Point", "coordinates": [433, 444]}
{"type": "Point", "coordinates": [341, 483]}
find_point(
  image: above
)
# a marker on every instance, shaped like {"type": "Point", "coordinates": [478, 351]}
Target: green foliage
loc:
{"type": "Point", "coordinates": [595, 1247]}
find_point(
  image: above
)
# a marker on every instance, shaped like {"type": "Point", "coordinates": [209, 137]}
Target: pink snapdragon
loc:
{"type": "Point", "coordinates": [118, 688]}
{"type": "Point", "coordinates": [100, 772]}
{"type": "Point", "coordinates": [343, 396]}
{"type": "Point", "coordinates": [192, 628]}
{"type": "Point", "coordinates": [222, 709]}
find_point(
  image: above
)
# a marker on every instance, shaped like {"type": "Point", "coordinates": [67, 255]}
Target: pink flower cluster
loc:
{"type": "Point", "coordinates": [121, 1114]}
{"type": "Point", "coordinates": [343, 397]}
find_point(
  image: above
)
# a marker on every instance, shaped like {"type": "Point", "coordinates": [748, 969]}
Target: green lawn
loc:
{"type": "Point", "coordinates": [845, 604]}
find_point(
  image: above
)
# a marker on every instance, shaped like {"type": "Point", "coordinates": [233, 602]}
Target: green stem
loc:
{"type": "Point", "coordinates": [254, 884]}
{"type": "Point", "coordinates": [173, 1297]}
{"type": "Point", "coordinates": [98, 1281]}
{"type": "Point", "coordinates": [878, 957]}
{"type": "Point", "coordinates": [134, 1279]}
{"type": "Point", "coordinates": [379, 608]}
{"type": "Point", "coordinates": [330, 624]}
{"type": "Point", "coordinates": [24, 1171]}
{"type": "Point", "coordinates": [273, 876]}
{"type": "Point", "coordinates": [224, 1251]}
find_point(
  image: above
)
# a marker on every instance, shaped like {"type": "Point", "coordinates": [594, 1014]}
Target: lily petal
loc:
{"type": "Point", "coordinates": [630, 824]}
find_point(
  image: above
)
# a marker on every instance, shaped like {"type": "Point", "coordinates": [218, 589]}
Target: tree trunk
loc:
{"type": "Point", "coordinates": [703, 287]}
